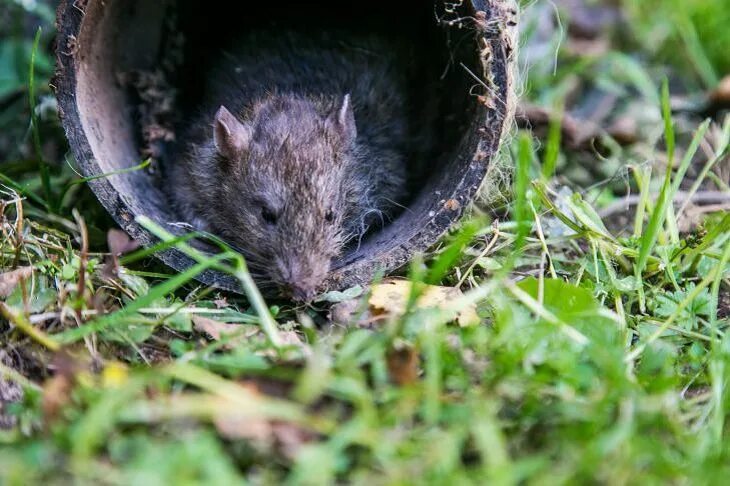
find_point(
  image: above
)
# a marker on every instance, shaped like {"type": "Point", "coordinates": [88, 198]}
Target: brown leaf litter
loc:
{"type": "Point", "coordinates": [10, 280]}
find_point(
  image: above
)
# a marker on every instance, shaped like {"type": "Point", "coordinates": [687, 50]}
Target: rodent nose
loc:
{"type": "Point", "coordinates": [302, 293]}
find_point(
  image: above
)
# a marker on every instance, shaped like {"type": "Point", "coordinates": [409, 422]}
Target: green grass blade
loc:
{"type": "Point", "coordinates": [721, 151]}
{"type": "Point", "coordinates": [715, 292]}
{"type": "Point", "coordinates": [239, 270]}
{"type": "Point", "coordinates": [699, 136]}
{"type": "Point", "coordinates": [642, 178]}
{"type": "Point", "coordinates": [552, 148]}
{"type": "Point", "coordinates": [680, 308]}
{"type": "Point", "coordinates": [148, 252]}
{"type": "Point", "coordinates": [156, 293]}
{"type": "Point", "coordinates": [658, 216]}
{"type": "Point", "coordinates": [669, 133]}
{"type": "Point", "coordinates": [697, 139]}
{"type": "Point", "coordinates": [717, 361]}
{"type": "Point", "coordinates": [44, 171]}
{"type": "Point", "coordinates": [696, 52]}
{"type": "Point", "coordinates": [542, 192]}
{"type": "Point", "coordinates": [453, 253]}
{"type": "Point", "coordinates": [521, 209]}
{"type": "Point", "coordinates": [83, 180]}
{"type": "Point", "coordinates": [22, 190]}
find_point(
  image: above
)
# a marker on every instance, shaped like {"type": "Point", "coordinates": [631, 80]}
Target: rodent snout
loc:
{"type": "Point", "coordinates": [300, 280]}
{"type": "Point", "coordinates": [302, 290]}
{"type": "Point", "coordinates": [302, 293]}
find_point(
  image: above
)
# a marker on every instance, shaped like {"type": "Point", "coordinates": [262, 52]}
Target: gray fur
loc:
{"type": "Point", "coordinates": [321, 142]}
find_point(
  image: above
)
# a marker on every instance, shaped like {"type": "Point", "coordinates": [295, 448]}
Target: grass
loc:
{"type": "Point", "coordinates": [601, 356]}
{"type": "Point", "coordinates": [690, 33]}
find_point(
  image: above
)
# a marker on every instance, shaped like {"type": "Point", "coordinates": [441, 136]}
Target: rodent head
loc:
{"type": "Point", "coordinates": [286, 173]}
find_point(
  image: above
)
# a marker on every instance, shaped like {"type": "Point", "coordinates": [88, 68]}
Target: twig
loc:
{"type": "Point", "coordinates": [27, 328]}
{"type": "Point", "coordinates": [166, 312]}
{"type": "Point", "coordinates": [83, 260]}
{"type": "Point", "coordinates": [545, 249]}
{"type": "Point", "coordinates": [18, 237]}
{"type": "Point", "coordinates": [487, 250]}
{"type": "Point", "coordinates": [705, 197]}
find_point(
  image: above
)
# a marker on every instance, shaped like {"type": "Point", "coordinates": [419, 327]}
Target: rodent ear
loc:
{"type": "Point", "coordinates": [232, 137]}
{"type": "Point", "coordinates": [343, 120]}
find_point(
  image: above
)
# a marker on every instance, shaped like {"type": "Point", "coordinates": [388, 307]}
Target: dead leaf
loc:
{"type": "Point", "coordinates": [625, 130]}
{"type": "Point", "coordinates": [238, 427]}
{"type": "Point", "coordinates": [120, 243]}
{"type": "Point", "coordinates": [588, 47]}
{"type": "Point", "coordinates": [10, 280]}
{"type": "Point", "coordinates": [291, 438]}
{"type": "Point", "coordinates": [57, 390]}
{"type": "Point", "coordinates": [344, 312]}
{"type": "Point", "coordinates": [403, 365]}
{"type": "Point", "coordinates": [452, 205]}
{"type": "Point", "coordinates": [391, 297]}
{"type": "Point", "coordinates": [291, 338]}
{"type": "Point", "coordinates": [218, 330]}
{"type": "Point", "coordinates": [487, 101]}
{"type": "Point", "coordinates": [721, 94]}
{"type": "Point", "coordinates": [56, 394]}
{"type": "Point", "coordinates": [577, 134]}
{"type": "Point", "coordinates": [285, 437]}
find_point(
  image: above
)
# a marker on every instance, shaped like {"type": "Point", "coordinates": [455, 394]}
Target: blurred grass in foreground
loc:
{"type": "Point", "coordinates": [690, 34]}
{"type": "Point", "coordinates": [601, 355]}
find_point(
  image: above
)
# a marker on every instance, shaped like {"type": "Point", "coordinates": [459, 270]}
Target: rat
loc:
{"type": "Point", "coordinates": [300, 151]}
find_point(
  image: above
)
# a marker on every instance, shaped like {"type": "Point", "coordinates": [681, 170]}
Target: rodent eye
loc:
{"type": "Point", "coordinates": [268, 216]}
{"type": "Point", "coordinates": [329, 216]}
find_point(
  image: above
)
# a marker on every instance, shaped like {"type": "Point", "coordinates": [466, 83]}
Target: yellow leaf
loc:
{"type": "Point", "coordinates": [391, 298]}
{"type": "Point", "coordinates": [115, 374]}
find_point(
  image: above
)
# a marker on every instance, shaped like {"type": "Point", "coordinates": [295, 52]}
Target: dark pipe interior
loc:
{"type": "Point", "coordinates": [439, 74]}
{"type": "Point", "coordinates": [118, 36]}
